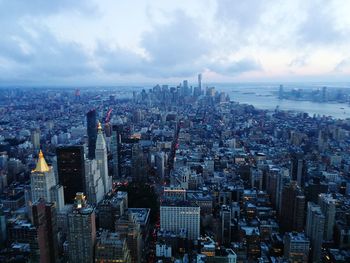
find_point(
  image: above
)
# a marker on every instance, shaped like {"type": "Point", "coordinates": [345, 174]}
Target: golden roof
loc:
{"type": "Point", "coordinates": [99, 126]}
{"type": "Point", "coordinates": [41, 165]}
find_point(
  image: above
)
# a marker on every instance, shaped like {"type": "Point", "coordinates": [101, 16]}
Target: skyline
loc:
{"type": "Point", "coordinates": [109, 43]}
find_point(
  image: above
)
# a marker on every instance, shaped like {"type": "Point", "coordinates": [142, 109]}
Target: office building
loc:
{"type": "Point", "coordinates": [129, 229]}
{"type": "Point", "coordinates": [35, 138]}
{"type": "Point", "coordinates": [296, 247]}
{"type": "Point", "coordinates": [110, 209]}
{"type": "Point", "coordinates": [42, 180]}
{"type": "Point", "coordinates": [315, 222]}
{"type": "Point", "coordinates": [115, 149]}
{"type": "Point", "coordinates": [43, 184]}
{"type": "Point", "coordinates": [91, 132]}
{"type": "Point", "coordinates": [102, 161]}
{"type": "Point", "coordinates": [175, 216]}
{"type": "Point", "coordinates": [71, 170]}
{"type": "Point", "coordinates": [110, 247]}
{"type": "Point", "coordinates": [327, 204]}
{"type": "Point", "coordinates": [94, 183]}
{"type": "Point", "coordinates": [225, 224]}
{"type": "Point", "coordinates": [45, 221]}
{"type": "Point", "coordinates": [292, 208]}
{"type": "Point", "coordinates": [81, 231]}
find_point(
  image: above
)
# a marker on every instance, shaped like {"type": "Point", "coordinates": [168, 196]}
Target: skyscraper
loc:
{"type": "Point", "coordinates": [71, 170]}
{"type": "Point", "coordinates": [327, 204]}
{"type": "Point", "coordinates": [200, 82]}
{"type": "Point", "coordinates": [94, 183]}
{"type": "Point", "coordinates": [81, 231]}
{"type": "Point", "coordinates": [43, 184]}
{"type": "Point", "coordinates": [44, 219]}
{"type": "Point", "coordinates": [225, 224]}
{"type": "Point", "coordinates": [128, 228]}
{"type": "Point", "coordinates": [315, 222]}
{"type": "Point", "coordinates": [91, 132]}
{"type": "Point", "coordinates": [102, 162]}
{"type": "Point", "coordinates": [115, 149]}
{"type": "Point", "coordinates": [35, 138]}
{"type": "Point", "coordinates": [42, 179]}
{"type": "Point", "coordinates": [292, 208]}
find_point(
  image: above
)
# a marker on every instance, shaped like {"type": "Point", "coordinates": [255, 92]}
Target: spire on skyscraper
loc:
{"type": "Point", "coordinates": [41, 165]}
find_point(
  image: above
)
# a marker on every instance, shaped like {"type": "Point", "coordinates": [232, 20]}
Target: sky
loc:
{"type": "Point", "coordinates": [111, 42]}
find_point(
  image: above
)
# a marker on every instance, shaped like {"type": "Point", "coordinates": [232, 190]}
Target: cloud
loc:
{"type": "Point", "coordinates": [240, 14]}
{"type": "Point", "coordinates": [234, 68]}
{"type": "Point", "coordinates": [320, 26]}
{"type": "Point", "coordinates": [173, 49]}
{"type": "Point", "coordinates": [343, 66]}
{"type": "Point", "coordinates": [42, 56]}
{"type": "Point", "coordinates": [19, 8]}
{"type": "Point", "coordinates": [299, 61]}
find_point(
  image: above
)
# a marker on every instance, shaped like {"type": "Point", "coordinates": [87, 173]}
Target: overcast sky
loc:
{"type": "Point", "coordinates": [107, 42]}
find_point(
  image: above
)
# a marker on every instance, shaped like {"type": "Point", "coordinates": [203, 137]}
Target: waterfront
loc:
{"type": "Point", "coordinates": [263, 96]}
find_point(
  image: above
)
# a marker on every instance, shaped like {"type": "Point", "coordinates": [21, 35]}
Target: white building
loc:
{"type": "Point", "coordinates": [43, 184]}
{"type": "Point", "coordinates": [181, 215]}
{"type": "Point", "coordinates": [94, 183]}
{"type": "Point", "coordinates": [163, 250]}
{"type": "Point", "coordinates": [102, 162]}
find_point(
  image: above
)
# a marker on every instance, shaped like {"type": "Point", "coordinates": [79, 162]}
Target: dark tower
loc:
{"type": "Point", "coordinates": [71, 170]}
{"type": "Point", "coordinates": [115, 149]}
{"type": "Point", "coordinates": [44, 219]}
{"type": "Point", "coordinates": [91, 132]}
{"type": "Point", "coordinates": [292, 208]}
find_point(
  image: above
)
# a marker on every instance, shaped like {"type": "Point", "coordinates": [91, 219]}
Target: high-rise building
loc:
{"type": "Point", "coordinates": [94, 183]}
{"type": "Point", "coordinates": [110, 247]}
{"type": "Point", "coordinates": [91, 132]}
{"type": "Point", "coordinates": [81, 231]}
{"type": "Point", "coordinates": [43, 184]}
{"type": "Point", "coordinates": [44, 219]}
{"type": "Point", "coordinates": [315, 222]}
{"type": "Point", "coordinates": [128, 228]}
{"type": "Point", "coordinates": [71, 170]}
{"type": "Point", "coordinates": [139, 166]}
{"type": "Point", "coordinates": [160, 164]}
{"type": "Point", "coordinates": [225, 224]}
{"type": "Point", "coordinates": [42, 180]}
{"type": "Point", "coordinates": [296, 247]}
{"type": "Point", "coordinates": [200, 82]}
{"type": "Point", "coordinates": [102, 161]}
{"type": "Point", "coordinates": [115, 149]}
{"type": "Point", "coordinates": [327, 204]}
{"type": "Point", "coordinates": [110, 209]}
{"type": "Point", "coordinates": [175, 216]}
{"type": "Point", "coordinates": [292, 208]}
{"type": "Point", "coordinates": [35, 138]}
